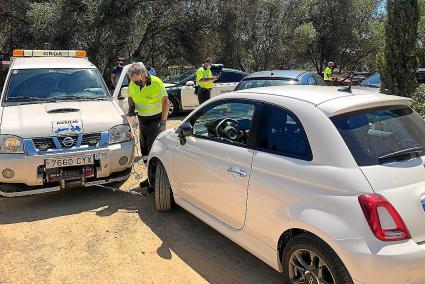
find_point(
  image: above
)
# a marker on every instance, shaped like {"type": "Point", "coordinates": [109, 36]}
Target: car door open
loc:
{"type": "Point", "coordinates": [120, 94]}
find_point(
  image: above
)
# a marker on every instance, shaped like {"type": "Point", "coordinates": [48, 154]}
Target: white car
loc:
{"type": "Point", "coordinates": [59, 126]}
{"type": "Point", "coordinates": [323, 185]}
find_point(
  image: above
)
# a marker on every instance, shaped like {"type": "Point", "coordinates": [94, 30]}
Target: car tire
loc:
{"type": "Point", "coordinates": [174, 107]}
{"type": "Point", "coordinates": [163, 193]}
{"type": "Point", "coordinates": [306, 250]}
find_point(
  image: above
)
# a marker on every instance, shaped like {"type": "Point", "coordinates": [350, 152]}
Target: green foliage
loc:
{"type": "Point", "coordinates": [419, 100]}
{"type": "Point", "coordinates": [247, 34]}
{"type": "Point", "coordinates": [400, 61]}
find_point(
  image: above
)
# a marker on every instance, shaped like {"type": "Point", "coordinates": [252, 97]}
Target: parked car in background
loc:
{"type": "Point", "coordinates": [181, 91]}
{"type": "Point", "coordinates": [374, 81]}
{"type": "Point", "coordinates": [323, 185]}
{"type": "Point", "coordinates": [279, 78]}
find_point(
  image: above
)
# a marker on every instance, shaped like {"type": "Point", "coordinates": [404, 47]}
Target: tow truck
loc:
{"type": "Point", "coordinates": [59, 126]}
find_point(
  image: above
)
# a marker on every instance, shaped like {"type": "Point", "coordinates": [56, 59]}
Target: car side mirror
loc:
{"type": "Point", "coordinates": [123, 93]}
{"type": "Point", "coordinates": [190, 83]}
{"type": "Point", "coordinates": [183, 131]}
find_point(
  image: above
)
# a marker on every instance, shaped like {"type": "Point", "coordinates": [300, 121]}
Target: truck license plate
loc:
{"type": "Point", "coordinates": [69, 162]}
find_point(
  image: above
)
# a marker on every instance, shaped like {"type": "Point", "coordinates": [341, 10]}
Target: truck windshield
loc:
{"type": "Point", "coordinates": [378, 136]}
{"type": "Point", "coordinates": [29, 85]}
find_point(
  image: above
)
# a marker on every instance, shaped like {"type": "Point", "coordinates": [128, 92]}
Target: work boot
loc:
{"type": "Point", "coordinates": [145, 184]}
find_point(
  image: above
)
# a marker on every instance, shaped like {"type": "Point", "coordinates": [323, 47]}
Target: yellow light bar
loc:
{"type": "Point", "coordinates": [49, 53]}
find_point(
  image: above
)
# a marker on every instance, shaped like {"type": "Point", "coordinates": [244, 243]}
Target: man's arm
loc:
{"type": "Point", "coordinates": [165, 108]}
{"type": "Point", "coordinates": [113, 79]}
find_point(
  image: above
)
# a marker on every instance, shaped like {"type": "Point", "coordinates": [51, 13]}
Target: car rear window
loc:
{"type": "Point", "coordinates": [258, 83]}
{"type": "Point", "coordinates": [376, 133]}
{"type": "Point", "coordinates": [54, 84]}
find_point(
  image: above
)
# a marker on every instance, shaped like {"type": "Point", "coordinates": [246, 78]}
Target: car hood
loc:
{"type": "Point", "coordinates": [169, 85]}
{"type": "Point", "coordinates": [403, 185]}
{"type": "Point", "coordinates": [39, 120]}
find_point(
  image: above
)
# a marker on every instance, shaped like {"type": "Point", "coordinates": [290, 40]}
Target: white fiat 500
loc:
{"type": "Point", "coordinates": [59, 127]}
{"type": "Point", "coordinates": [324, 185]}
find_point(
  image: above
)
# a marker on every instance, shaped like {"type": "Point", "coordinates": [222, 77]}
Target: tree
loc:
{"type": "Point", "coordinates": [400, 61]}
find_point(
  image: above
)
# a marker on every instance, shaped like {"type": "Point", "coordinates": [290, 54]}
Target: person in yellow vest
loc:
{"type": "Point", "coordinates": [205, 81]}
{"type": "Point", "coordinates": [328, 73]}
{"type": "Point", "coordinates": [147, 98]}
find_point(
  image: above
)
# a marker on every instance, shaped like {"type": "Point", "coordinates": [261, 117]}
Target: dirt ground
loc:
{"type": "Point", "coordinates": [99, 235]}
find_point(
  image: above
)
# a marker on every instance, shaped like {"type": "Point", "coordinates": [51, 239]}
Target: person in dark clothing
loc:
{"type": "Point", "coordinates": [116, 71]}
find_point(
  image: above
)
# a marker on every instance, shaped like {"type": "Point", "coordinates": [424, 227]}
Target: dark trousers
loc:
{"type": "Point", "coordinates": [203, 95]}
{"type": "Point", "coordinates": [148, 131]}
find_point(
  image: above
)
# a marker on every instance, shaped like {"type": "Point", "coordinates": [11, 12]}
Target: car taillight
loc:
{"type": "Point", "coordinates": [384, 221]}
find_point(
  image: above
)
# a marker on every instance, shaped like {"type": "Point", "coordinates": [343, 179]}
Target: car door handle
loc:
{"type": "Point", "coordinates": [235, 172]}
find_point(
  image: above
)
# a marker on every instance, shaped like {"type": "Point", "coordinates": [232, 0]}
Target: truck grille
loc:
{"type": "Point", "coordinates": [48, 143]}
{"type": "Point", "coordinates": [90, 139]}
{"type": "Point", "coordinates": [44, 144]}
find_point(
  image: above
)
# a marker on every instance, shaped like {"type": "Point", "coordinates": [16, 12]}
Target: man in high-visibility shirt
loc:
{"type": "Point", "coordinates": [328, 73]}
{"type": "Point", "coordinates": [147, 98]}
{"type": "Point", "coordinates": [205, 81]}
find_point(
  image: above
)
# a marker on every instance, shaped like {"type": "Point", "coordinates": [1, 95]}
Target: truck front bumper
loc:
{"type": "Point", "coordinates": [111, 164]}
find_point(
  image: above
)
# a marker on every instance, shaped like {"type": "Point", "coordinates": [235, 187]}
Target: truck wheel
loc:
{"type": "Point", "coordinates": [163, 193]}
{"type": "Point", "coordinates": [307, 259]}
{"type": "Point", "coordinates": [174, 107]}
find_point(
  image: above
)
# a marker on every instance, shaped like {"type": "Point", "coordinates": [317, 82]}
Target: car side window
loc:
{"type": "Point", "coordinates": [281, 133]}
{"type": "Point", "coordinates": [230, 77]}
{"type": "Point", "coordinates": [319, 80]}
{"type": "Point", "coordinates": [227, 122]}
{"type": "Point", "coordinates": [311, 81]}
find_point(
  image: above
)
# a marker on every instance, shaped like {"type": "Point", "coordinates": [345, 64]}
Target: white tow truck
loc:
{"type": "Point", "coordinates": [59, 126]}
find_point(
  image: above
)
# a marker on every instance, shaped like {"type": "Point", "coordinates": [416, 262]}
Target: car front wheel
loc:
{"type": "Point", "coordinates": [307, 259]}
{"type": "Point", "coordinates": [163, 193]}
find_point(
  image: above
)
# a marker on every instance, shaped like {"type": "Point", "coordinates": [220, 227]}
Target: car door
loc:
{"type": "Point", "coordinates": [188, 97]}
{"type": "Point", "coordinates": [121, 90]}
{"type": "Point", "coordinates": [226, 82]}
{"type": "Point", "coordinates": [213, 168]}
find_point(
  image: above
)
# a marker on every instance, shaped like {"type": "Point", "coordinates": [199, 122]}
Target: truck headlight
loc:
{"type": "Point", "coordinates": [119, 134]}
{"type": "Point", "coordinates": [11, 144]}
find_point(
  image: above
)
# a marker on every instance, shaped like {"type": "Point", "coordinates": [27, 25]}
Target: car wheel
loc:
{"type": "Point", "coordinates": [174, 107]}
{"type": "Point", "coordinates": [307, 259]}
{"type": "Point", "coordinates": [163, 194]}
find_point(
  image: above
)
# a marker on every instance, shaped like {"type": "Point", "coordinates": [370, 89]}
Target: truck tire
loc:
{"type": "Point", "coordinates": [163, 193]}
{"type": "Point", "coordinates": [304, 253]}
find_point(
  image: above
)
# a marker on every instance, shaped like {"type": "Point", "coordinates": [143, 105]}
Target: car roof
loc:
{"type": "Point", "coordinates": [330, 100]}
{"type": "Point", "coordinates": [50, 62]}
{"type": "Point", "coordinates": [291, 74]}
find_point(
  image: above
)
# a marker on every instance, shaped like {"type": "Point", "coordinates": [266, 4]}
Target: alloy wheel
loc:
{"type": "Point", "coordinates": [307, 267]}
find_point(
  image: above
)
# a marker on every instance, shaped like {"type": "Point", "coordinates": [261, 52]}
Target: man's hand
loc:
{"type": "Point", "coordinates": [163, 125]}
{"type": "Point", "coordinates": [131, 112]}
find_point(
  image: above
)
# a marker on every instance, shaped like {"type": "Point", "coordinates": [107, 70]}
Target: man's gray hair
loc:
{"type": "Point", "coordinates": [137, 68]}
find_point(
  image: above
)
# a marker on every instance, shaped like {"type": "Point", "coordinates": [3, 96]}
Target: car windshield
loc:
{"type": "Point", "coordinates": [377, 136]}
{"type": "Point", "coordinates": [373, 81]}
{"type": "Point", "coordinates": [258, 83]}
{"type": "Point", "coordinates": [30, 85]}
{"type": "Point", "coordinates": [177, 79]}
